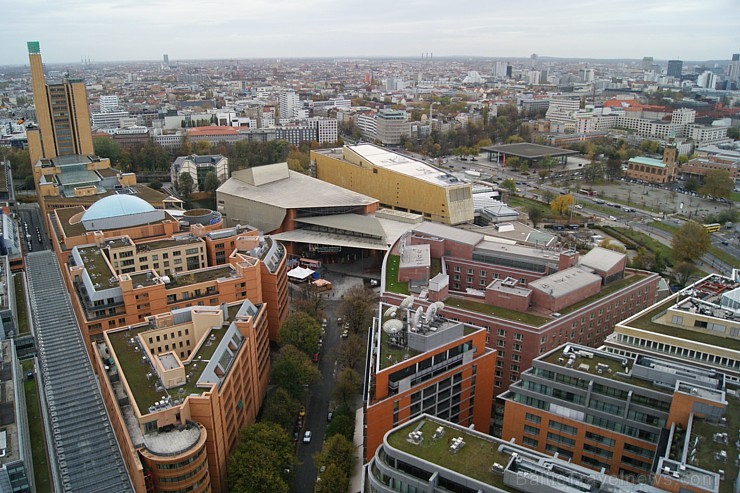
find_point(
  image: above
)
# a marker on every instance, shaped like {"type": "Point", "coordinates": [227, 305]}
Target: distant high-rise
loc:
{"type": "Point", "coordinates": [166, 59]}
{"type": "Point", "coordinates": [289, 104]}
{"type": "Point", "coordinates": [733, 71]}
{"type": "Point", "coordinates": [108, 103]}
{"type": "Point", "coordinates": [61, 112]}
{"type": "Point", "coordinates": [736, 57]}
{"type": "Point", "coordinates": [675, 68]}
{"type": "Point", "coordinates": [647, 63]}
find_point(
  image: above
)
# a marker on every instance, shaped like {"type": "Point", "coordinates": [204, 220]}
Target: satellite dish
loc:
{"type": "Point", "coordinates": [431, 312]}
{"type": "Point", "coordinates": [390, 312]}
{"type": "Point", "coordinates": [392, 326]}
{"type": "Point", "coordinates": [417, 316]}
{"type": "Point", "coordinates": [407, 302]}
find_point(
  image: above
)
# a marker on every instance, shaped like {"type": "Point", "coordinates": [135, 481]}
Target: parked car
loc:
{"type": "Point", "coordinates": [307, 437]}
{"type": "Point", "coordinates": [612, 218]}
{"type": "Point", "coordinates": [345, 334]}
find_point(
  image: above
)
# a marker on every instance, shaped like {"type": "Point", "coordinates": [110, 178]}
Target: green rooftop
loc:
{"type": "Point", "coordinates": [648, 161]}
{"type": "Point", "coordinates": [707, 449]}
{"type": "Point", "coordinates": [135, 369]}
{"type": "Point", "coordinates": [645, 322]}
{"type": "Point", "coordinates": [98, 268]}
{"type": "Point", "coordinates": [166, 243]}
{"type": "Point", "coordinates": [474, 459]}
{"type": "Point", "coordinates": [144, 279]}
{"type": "Point", "coordinates": [199, 276]}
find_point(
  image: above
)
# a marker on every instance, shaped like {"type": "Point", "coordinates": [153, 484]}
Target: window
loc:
{"type": "Point", "coordinates": [531, 430]}
{"type": "Point", "coordinates": [501, 333]}
{"type": "Point", "coordinates": [532, 418]}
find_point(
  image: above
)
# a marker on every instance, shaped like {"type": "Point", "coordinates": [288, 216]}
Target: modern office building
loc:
{"type": "Point", "coordinates": [530, 299]}
{"type": "Point", "coordinates": [675, 68]}
{"type": "Point", "coordinates": [431, 455]}
{"type": "Point", "coordinates": [179, 386]}
{"type": "Point", "coordinates": [15, 442]}
{"type": "Point", "coordinates": [289, 105]}
{"type": "Point", "coordinates": [108, 103]}
{"type": "Point", "coordinates": [61, 112]}
{"type": "Point", "coordinates": [124, 261]}
{"type": "Point", "coordinates": [198, 168]}
{"type": "Point", "coordinates": [421, 362]}
{"type": "Point", "coordinates": [635, 417]}
{"type": "Point", "coordinates": [397, 181]}
{"type": "Point", "coordinates": [391, 126]}
{"type": "Point", "coordinates": [698, 325]}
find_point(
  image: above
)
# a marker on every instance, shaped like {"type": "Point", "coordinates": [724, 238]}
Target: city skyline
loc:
{"type": "Point", "coordinates": [71, 30]}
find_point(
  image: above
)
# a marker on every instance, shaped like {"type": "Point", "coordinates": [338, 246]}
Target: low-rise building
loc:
{"type": "Point", "coordinates": [654, 170]}
{"type": "Point", "coordinates": [198, 168]}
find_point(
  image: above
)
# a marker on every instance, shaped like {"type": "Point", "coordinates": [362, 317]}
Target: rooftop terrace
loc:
{"type": "Point", "coordinates": [142, 380]}
{"type": "Point", "coordinates": [167, 243]}
{"type": "Point", "coordinates": [199, 276]}
{"type": "Point", "coordinates": [97, 267]}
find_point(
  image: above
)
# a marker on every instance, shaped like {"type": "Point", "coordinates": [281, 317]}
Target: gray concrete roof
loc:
{"type": "Point", "coordinates": [601, 259]}
{"type": "Point", "coordinates": [565, 281]}
{"type": "Point", "coordinates": [295, 192]}
{"type": "Point", "coordinates": [449, 232]}
{"type": "Point", "coordinates": [368, 225]}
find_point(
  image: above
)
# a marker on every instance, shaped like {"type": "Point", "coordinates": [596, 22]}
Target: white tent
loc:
{"type": "Point", "coordinates": [300, 274]}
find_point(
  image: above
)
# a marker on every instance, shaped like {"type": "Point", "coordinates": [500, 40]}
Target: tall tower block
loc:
{"type": "Point", "coordinates": [61, 112]}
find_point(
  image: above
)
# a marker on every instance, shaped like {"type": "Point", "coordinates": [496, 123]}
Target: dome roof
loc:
{"type": "Point", "coordinates": [116, 205]}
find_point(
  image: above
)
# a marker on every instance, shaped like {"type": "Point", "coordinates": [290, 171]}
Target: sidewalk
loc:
{"type": "Point", "coordinates": [355, 482]}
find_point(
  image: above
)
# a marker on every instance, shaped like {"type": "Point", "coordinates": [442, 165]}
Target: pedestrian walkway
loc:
{"type": "Point", "coordinates": [355, 482]}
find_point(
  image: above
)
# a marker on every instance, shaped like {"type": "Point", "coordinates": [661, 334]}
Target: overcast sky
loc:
{"type": "Point", "coordinates": [192, 29]}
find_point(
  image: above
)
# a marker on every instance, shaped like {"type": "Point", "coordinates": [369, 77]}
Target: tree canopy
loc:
{"type": "Point", "coordinates": [717, 183]}
{"type": "Point", "coordinates": [263, 460]}
{"type": "Point", "coordinates": [293, 369]}
{"type": "Point", "coordinates": [302, 331]}
{"type": "Point", "coordinates": [690, 242]}
{"type": "Point", "coordinates": [562, 204]}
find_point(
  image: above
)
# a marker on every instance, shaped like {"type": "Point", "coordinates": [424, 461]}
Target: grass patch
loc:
{"type": "Point", "coordinates": [391, 355]}
{"type": "Point", "coordinates": [391, 276]}
{"type": "Point", "coordinates": [735, 196]}
{"type": "Point", "coordinates": [41, 475]}
{"type": "Point", "coordinates": [705, 457]}
{"type": "Point", "coordinates": [635, 239]}
{"type": "Point", "coordinates": [524, 203]}
{"type": "Point", "coordinates": [513, 315]}
{"type": "Point", "coordinates": [725, 257]}
{"type": "Point", "coordinates": [20, 304]}
{"type": "Point", "coordinates": [668, 228]}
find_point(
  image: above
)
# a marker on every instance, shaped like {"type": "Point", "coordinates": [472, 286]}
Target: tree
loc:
{"type": "Point", "coordinates": [338, 451]}
{"type": "Point", "coordinates": [155, 184]}
{"type": "Point", "coordinates": [312, 302]}
{"type": "Point", "coordinates": [185, 185]}
{"type": "Point", "coordinates": [683, 272]}
{"type": "Point", "coordinates": [649, 146]}
{"type": "Point", "coordinates": [263, 460]}
{"type": "Point", "coordinates": [733, 133]}
{"type": "Point", "coordinates": [535, 214]}
{"type": "Point", "coordinates": [356, 309]}
{"type": "Point", "coordinates": [691, 184]}
{"type": "Point", "coordinates": [647, 260]}
{"type": "Point", "coordinates": [593, 172]}
{"type": "Point", "coordinates": [562, 204]}
{"type": "Point", "coordinates": [717, 183]}
{"type": "Point", "coordinates": [347, 386]}
{"type": "Point", "coordinates": [333, 479]}
{"type": "Point", "coordinates": [341, 424]}
{"type": "Point", "coordinates": [513, 163]}
{"type": "Point", "coordinates": [280, 408]}
{"type": "Point", "coordinates": [509, 185]}
{"type": "Point", "coordinates": [211, 183]}
{"type": "Point", "coordinates": [302, 331]}
{"type": "Point", "coordinates": [613, 168]}
{"type": "Point", "coordinates": [292, 370]}
{"type": "Point", "coordinates": [107, 147]}
{"type": "Point", "coordinates": [352, 352]}
{"type": "Point", "coordinates": [690, 242]}
{"type": "Point", "coordinates": [202, 147]}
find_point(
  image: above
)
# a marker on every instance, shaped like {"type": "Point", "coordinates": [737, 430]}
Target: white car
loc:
{"type": "Point", "coordinates": [307, 437]}
{"type": "Point", "coordinates": [612, 218]}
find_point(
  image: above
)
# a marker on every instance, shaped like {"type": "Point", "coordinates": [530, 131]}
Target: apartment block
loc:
{"type": "Point", "coordinates": [420, 363]}
{"type": "Point", "coordinates": [179, 387]}
{"type": "Point", "coordinates": [529, 299]}
{"type": "Point", "coordinates": [639, 417]}
{"type": "Point", "coordinates": [198, 168]}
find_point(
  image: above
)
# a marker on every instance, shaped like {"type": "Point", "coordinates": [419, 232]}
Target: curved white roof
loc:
{"type": "Point", "coordinates": [115, 206]}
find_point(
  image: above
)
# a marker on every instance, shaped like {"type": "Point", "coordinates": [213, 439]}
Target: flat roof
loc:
{"type": "Point", "coordinates": [358, 223]}
{"type": "Point", "coordinates": [449, 233]}
{"type": "Point", "coordinates": [85, 452]}
{"type": "Point", "coordinates": [565, 282]}
{"type": "Point", "coordinates": [529, 151]}
{"type": "Point", "coordinates": [404, 165]}
{"type": "Point", "coordinates": [601, 259]}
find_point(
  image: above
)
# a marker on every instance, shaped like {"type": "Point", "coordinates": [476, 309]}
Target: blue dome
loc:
{"type": "Point", "coordinates": [115, 206]}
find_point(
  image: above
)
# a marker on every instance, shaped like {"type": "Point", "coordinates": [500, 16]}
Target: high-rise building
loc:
{"type": "Point", "coordinates": [391, 126]}
{"type": "Point", "coordinates": [61, 112]}
{"type": "Point", "coordinates": [707, 80]}
{"type": "Point", "coordinates": [108, 103]}
{"type": "Point", "coordinates": [675, 67]}
{"type": "Point", "coordinates": [733, 71]}
{"type": "Point", "coordinates": [166, 59]}
{"type": "Point", "coordinates": [289, 104]}
{"type": "Point", "coordinates": [647, 63]}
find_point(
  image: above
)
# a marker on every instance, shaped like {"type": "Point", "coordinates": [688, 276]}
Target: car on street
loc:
{"type": "Point", "coordinates": [345, 334]}
{"type": "Point", "coordinates": [307, 437]}
{"type": "Point", "coordinates": [315, 357]}
{"type": "Point", "coordinates": [612, 218]}
{"type": "Point", "coordinates": [329, 416]}
{"type": "Point", "coordinates": [302, 411]}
